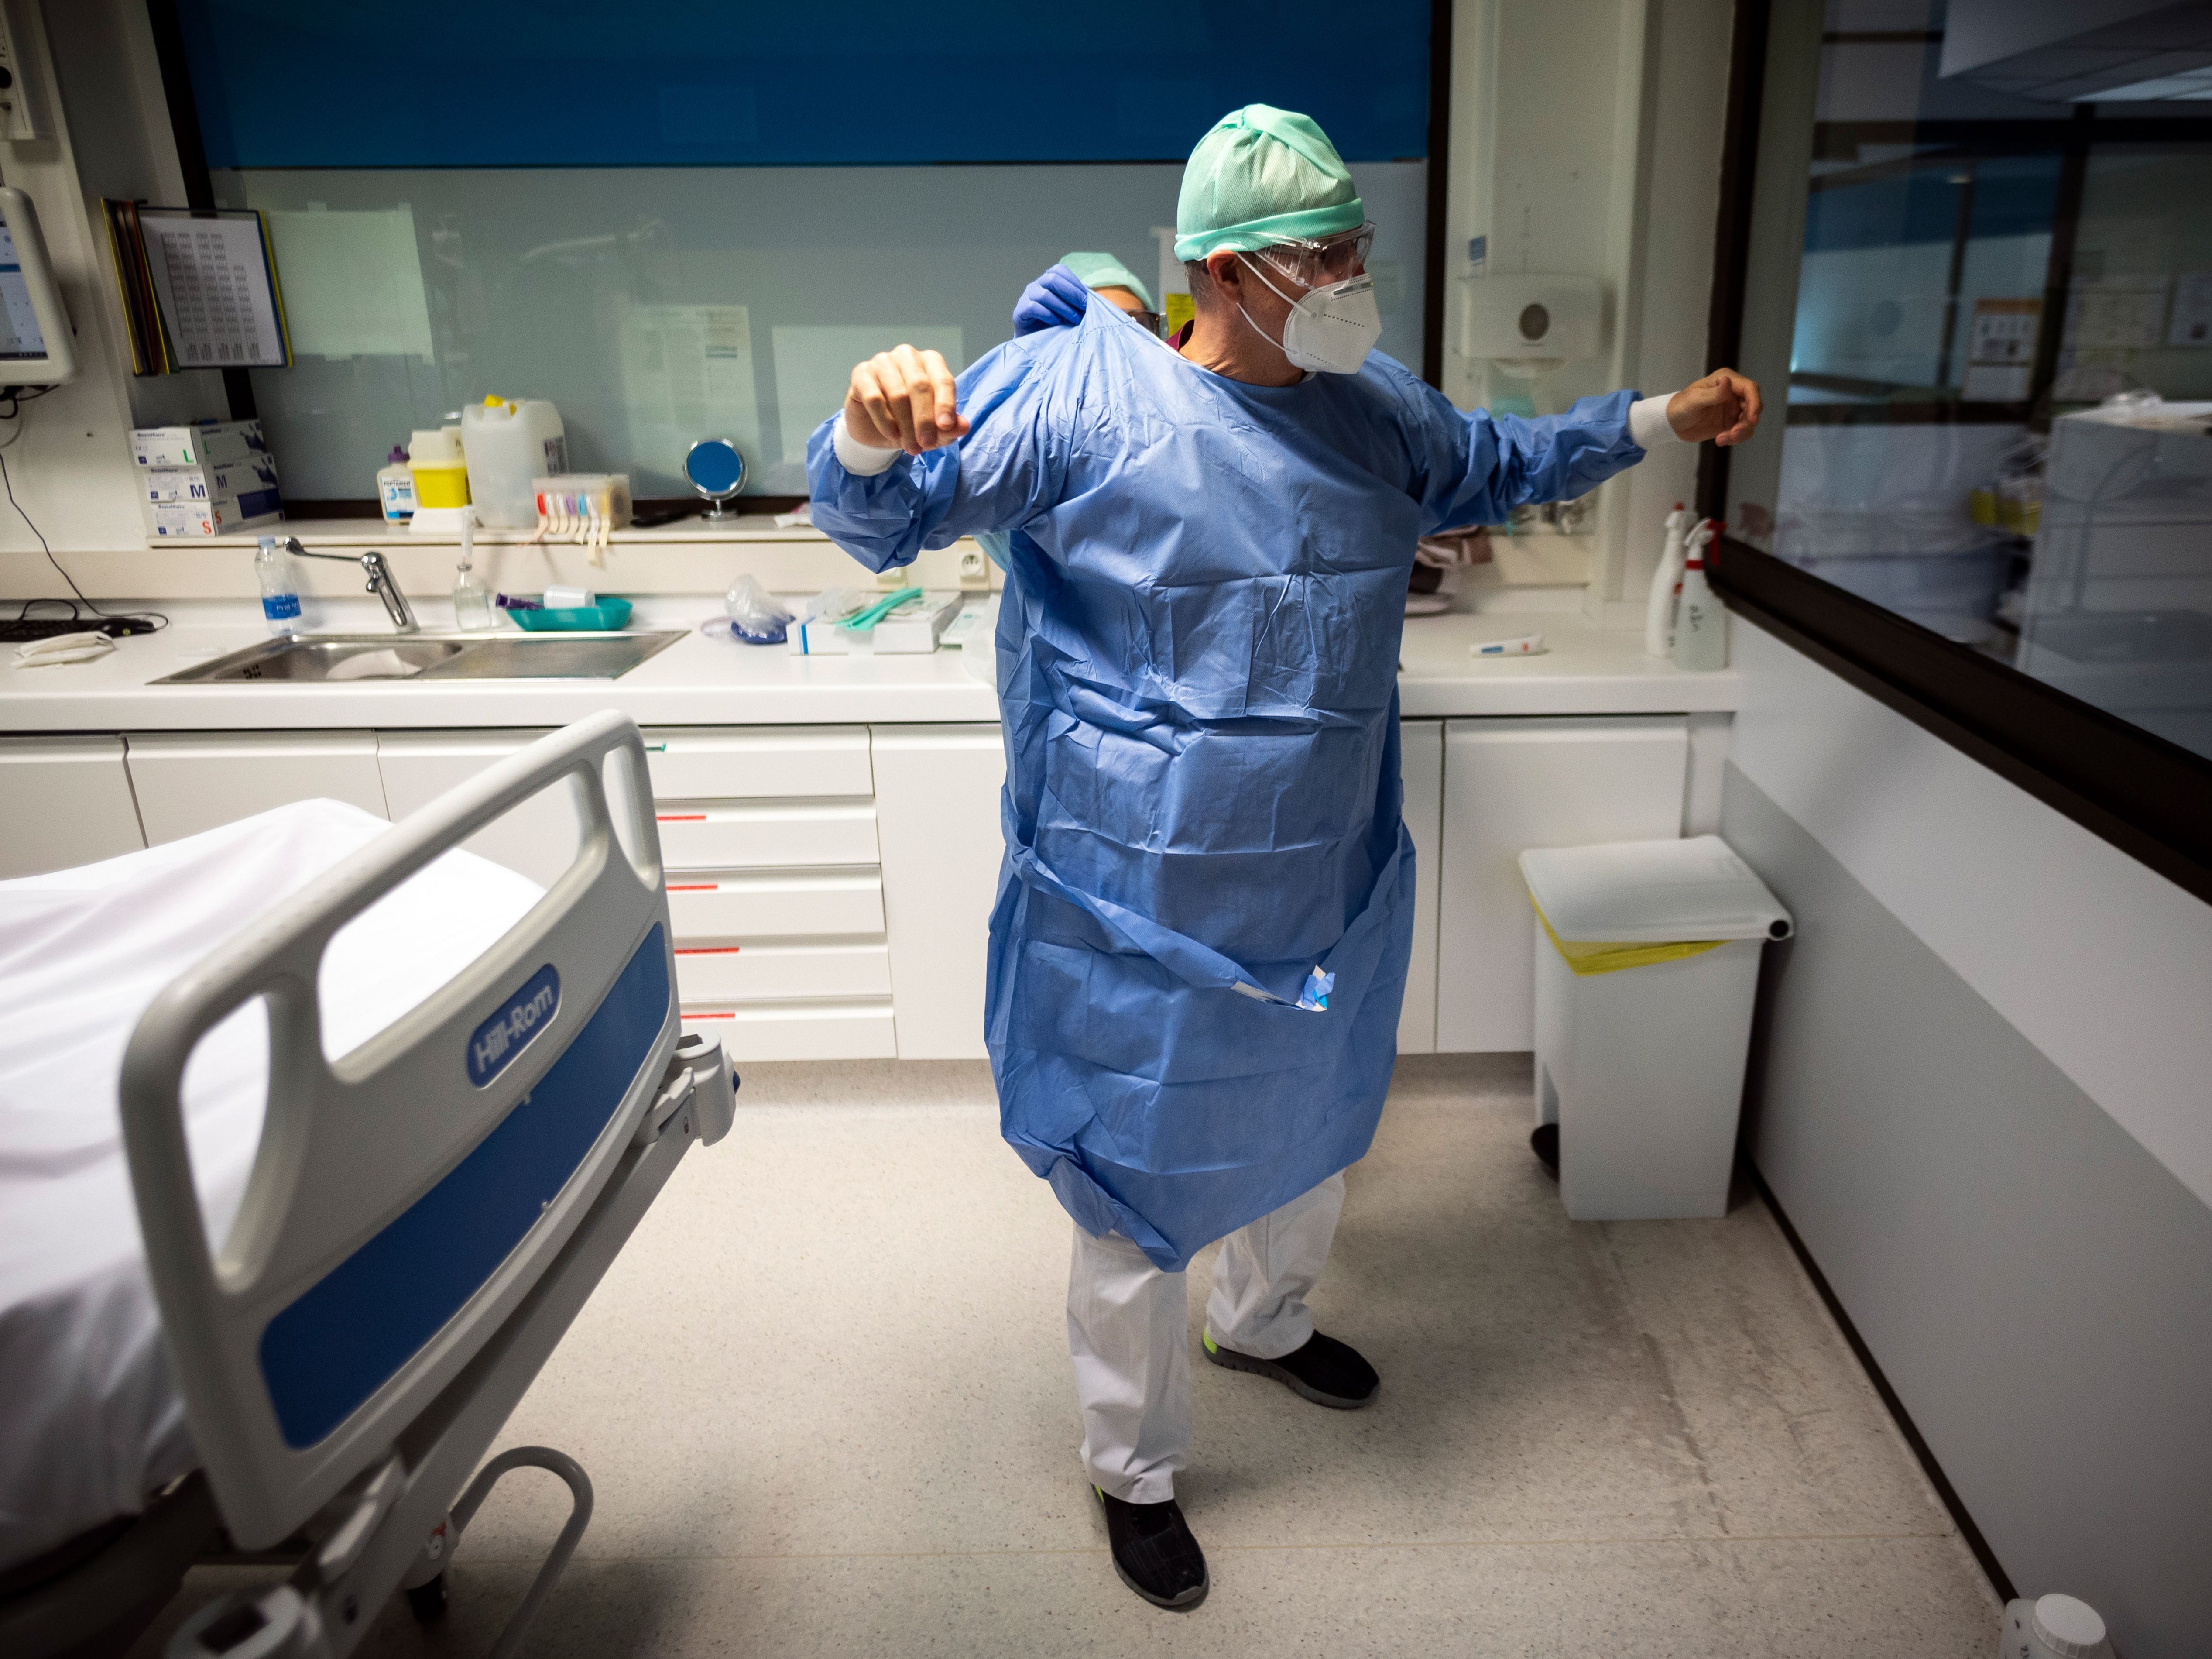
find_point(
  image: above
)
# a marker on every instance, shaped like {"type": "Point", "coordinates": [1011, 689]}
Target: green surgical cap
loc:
{"type": "Point", "coordinates": [1263, 176]}
{"type": "Point", "coordinates": [1104, 270]}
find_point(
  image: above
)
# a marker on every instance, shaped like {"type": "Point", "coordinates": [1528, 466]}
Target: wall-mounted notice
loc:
{"type": "Point", "coordinates": [687, 373]}
{"type": "Point", "coordinates": [353, 282]}
{"type": "Point", "coordinates": [216, 286]}
{"type": "Point", "coordinates": [2000, 351]}
{"type": "Point", "coordinates": [2191, 322]}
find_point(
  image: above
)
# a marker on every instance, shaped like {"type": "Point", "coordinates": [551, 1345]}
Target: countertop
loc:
{"type": "Point", "coordinates": [699, 681]}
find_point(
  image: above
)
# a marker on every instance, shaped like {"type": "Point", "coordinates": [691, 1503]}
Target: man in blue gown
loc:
{"type": "Point", "coordinates": [1200, 939]}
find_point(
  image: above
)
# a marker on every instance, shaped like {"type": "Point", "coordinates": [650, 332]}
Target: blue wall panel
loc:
{"type": "Point", "coordinates": [663, 82]}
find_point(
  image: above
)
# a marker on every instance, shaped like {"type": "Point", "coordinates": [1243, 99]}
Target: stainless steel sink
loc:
{"type": "Point", "coordinates": [328, 657]}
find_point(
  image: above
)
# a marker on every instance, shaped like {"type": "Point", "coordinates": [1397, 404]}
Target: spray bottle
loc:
{"type": "Point", "coordinates": [1701, 629]}
{"type": "Point", "coordinates": [1666, 583]}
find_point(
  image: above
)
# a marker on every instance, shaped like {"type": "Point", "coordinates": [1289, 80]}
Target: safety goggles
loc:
{"type": "Point", "coordinates": [1320, 260]}
{"type": "Point", "coordinates": [1151, 321]}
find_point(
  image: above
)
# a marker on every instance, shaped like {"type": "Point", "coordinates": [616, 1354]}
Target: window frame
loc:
{"type": "Point", "coordinates": [2151, 798]}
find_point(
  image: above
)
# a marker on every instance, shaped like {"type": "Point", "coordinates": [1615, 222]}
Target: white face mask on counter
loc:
{"type": "Point", "coordinates": [1331, 329]}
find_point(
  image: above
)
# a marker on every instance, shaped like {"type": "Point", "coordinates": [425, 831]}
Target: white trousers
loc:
{"type": "Point", "coordinates": [1129, 1332]}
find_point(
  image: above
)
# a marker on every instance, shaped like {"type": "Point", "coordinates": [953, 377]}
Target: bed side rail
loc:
{"type": "Point", "coordinates": [404, 1200]}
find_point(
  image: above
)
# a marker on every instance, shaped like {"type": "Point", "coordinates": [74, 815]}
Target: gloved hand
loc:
{"type": "Point", "coordinates": [1055, 300]}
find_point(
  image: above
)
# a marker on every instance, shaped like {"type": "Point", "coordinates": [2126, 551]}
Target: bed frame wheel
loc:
{"type": "Point", "coordinates": [428, 1602]}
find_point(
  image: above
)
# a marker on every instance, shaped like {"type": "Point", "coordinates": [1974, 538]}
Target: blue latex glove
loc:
{"type": "Point", "coordinates": [1055, 300]}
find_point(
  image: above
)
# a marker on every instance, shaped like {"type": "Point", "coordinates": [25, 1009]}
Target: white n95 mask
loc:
{"type": "Point", "coordinates": [1330, 329]}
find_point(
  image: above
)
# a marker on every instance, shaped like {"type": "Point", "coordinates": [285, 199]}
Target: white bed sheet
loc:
{"type": "Point", "coordinates": [90, 1420]}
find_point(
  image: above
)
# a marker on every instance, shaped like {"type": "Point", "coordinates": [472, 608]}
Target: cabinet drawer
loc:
{"type": "Point", "coordinates": [725, 973]}
{"type": "Point", "coordinates": [725, 835]}
{"type": "Point", "coordinates": [64, 801]}
{"type": "Point", "coordinates": [798, 1031]}
{"type": "Point", "coordinates": [736, 763]}
{"type": "Point", "coordinates": [707, 908]}
{"type": "Point", "coordinates": [188, 781]}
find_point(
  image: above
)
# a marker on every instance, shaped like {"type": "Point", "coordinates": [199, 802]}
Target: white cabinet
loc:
{"type": "Point", "coordinates": [1422, 743]}
{"type": "Point", "coordinates": [775, 895]}
{"type": "Point", "coordinates": [829, 888]}
{"type": "Point", "coordinates": [188, 781]}
{"type": "Point", "coordinates": [538, 838]}
{"type": "Point", "coordinates": [710, 762]}
{"type": "Point", "coordinates": [64, 801]}
{"type": "Point", "coordinates": [937, 805]}
{"type": "Point", "coordinates": [1513, 784]}
{"type": "Point", "coordinates": [937, 814]}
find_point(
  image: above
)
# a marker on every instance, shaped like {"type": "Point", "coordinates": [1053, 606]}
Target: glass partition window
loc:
{"type": "Point", "coordinates": [1981, 264]}
{"type": "Point", "coordinates": [658, 306]}
{"type": "Point", "coordinates": [693, 219]}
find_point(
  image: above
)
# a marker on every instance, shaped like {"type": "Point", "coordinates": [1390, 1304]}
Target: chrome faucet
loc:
{"type": "Point", "coordinates": [381, 582]}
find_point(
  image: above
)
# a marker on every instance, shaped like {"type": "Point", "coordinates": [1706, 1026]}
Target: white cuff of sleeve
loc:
{"type": "Point", "coordinates": [861, 460]}
{"type": "Point", "coordinates": [1648, 425]}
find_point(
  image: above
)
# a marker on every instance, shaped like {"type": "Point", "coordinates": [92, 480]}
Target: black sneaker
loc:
{"type": "Point", "coordinates": [1154, 1552]}
{"type": "Point", "coordinates": [1326, 1372]}
{"type": "Point", "coordinates": [1544, 1141]}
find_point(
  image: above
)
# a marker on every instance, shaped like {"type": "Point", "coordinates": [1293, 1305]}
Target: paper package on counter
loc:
{"type": "Point", "coordinates": [206, 479]}
{"type": "Point", "coordinates": [184, 519]}
{"type": "Point", "coordinates": [200, 443]}
{"type": "Point", "coordinates": [913, 629]}
{"type": "Point", "coordinates": [242, 482]}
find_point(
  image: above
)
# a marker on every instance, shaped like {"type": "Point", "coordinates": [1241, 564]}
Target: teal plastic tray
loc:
{"type": "Point", "coordinates": [601, 618]}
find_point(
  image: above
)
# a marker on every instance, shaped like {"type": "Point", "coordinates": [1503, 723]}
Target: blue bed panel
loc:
{"type": "Point", "coordinates": [350, 1333]}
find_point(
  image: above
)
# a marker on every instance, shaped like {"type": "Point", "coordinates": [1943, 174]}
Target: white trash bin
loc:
{"type": "Point", "coordinates": [1647, 962]}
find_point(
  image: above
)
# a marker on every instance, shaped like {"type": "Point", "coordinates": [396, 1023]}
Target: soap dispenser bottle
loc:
{"type": "Point", "coordinates": [395, 489]}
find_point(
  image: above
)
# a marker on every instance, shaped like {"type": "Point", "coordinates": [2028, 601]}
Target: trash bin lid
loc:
{"type": "Point", "coordinates": [1652, 892]}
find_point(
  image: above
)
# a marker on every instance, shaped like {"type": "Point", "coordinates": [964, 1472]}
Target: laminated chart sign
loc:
{"type": "Point", "coordinates": [687, 373]}
{"type": "Point", "coordinates": [216, 288]}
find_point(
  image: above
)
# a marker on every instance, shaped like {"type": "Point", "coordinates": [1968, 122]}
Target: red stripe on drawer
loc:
{"type": "Point", "coordinates": [688, 1014]}
{"type": "Point", "coordinates": [679, 817]}
{"type": "Point", "coordinates": [708, 950]}
{"type": "Point", "coordinates": [696, 887]}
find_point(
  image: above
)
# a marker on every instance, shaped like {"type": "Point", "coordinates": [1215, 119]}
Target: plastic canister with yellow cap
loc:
{"type": "Point", "coordinates": [509, 441]}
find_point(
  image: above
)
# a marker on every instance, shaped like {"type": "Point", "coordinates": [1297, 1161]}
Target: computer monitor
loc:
{"type": "Point", "coordinates": [35, 345]}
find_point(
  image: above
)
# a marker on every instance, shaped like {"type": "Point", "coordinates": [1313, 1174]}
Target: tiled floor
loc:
{"type": "Point", "coordinates": [825, 1398]}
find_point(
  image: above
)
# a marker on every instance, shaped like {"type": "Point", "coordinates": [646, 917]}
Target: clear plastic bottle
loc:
{"type": "Point", "coordinates": [472, 604]}
{"type": "Point", "coordinates": [280, 587]}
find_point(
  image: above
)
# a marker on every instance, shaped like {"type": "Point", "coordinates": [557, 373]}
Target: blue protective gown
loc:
{"type": "Point", "coordinates": [1198, 658]}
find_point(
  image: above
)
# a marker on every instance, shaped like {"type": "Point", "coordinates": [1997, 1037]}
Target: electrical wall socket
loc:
{"type": "Point", "coordinates": [974, 569]}
{"type": "Point", "coordinates": [22, 113]}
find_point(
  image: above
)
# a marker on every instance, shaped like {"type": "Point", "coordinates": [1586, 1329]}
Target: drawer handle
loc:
{"type": "Point", "coordinates": [696, 887]}
{"type": "Point", "coordinates": [688, 1014]}
{"type": "Point", "coordinates": [679, 817]}
{"type": "Point", "coordinates": [708, 950]}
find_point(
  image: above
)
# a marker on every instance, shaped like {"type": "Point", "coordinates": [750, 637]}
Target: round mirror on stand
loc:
{"type": "Point", "coordinates": [717, 472]}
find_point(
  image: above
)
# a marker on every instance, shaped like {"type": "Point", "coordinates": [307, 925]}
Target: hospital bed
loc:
{"type": "Point", "coordinates": [431, 1196]}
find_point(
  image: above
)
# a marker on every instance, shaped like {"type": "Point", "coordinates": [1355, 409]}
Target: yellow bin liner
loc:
{"type": "Point", "coordinates": [1587, 956]}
